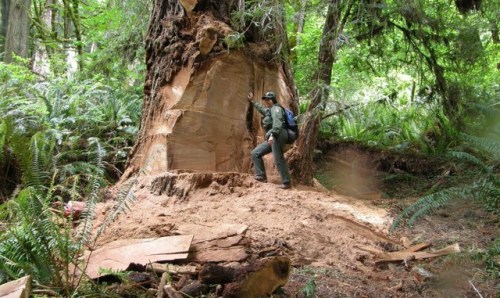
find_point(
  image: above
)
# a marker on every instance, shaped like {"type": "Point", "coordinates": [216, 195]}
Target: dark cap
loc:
{"type": "Point", "coordinates": [269, 95]}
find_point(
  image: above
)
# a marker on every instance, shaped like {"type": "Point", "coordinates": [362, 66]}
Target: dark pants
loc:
{"type": "Point", "coordinates": [279, 159]}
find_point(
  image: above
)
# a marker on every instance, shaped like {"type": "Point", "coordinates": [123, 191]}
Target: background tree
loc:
{"type": "Point", "coordinates": [301, 160]}
{"type": "Point", "coordinates": [17, 36]}
{"type": "Point", "coordinates": [4, 17]}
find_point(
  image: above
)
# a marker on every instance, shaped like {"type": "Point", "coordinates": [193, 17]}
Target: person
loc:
{"type": "Point", "coordinates": [275, 139]}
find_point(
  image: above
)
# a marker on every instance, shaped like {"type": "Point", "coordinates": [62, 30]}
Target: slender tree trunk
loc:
{"type": "Point", "coordinates": [4, 19]}
{"type": "Point", "coordinates": [301, 157]}
{"type": "Point", "coordinates": [298, 28]}
{"type": "Point", "coordinates": [17, 37]}
{"type": "Point", "coordinates": [41, 63]}
{"type": "Point", "coordinates": [72, 25]}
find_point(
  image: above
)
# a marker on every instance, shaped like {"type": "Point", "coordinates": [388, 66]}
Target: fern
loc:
{"type": "Point", "coordinates": [485, 188]}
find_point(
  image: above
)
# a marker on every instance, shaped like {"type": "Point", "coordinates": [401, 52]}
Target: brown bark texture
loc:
{"type": "Point", "coordinates": [302, 157]}
{"type": "Point", "coordinates": [195, 115]}
{"type": "Point", "coordinates": [4, 19]}
{"type": "Point", "coordinates": [17, 37]}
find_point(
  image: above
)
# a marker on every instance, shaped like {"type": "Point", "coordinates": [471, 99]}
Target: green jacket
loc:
{"type": "Point", "coordinates": [273, 120]}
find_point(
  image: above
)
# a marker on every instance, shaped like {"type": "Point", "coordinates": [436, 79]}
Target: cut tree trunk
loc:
{"type": "Point", "coordinates": [195, 114]}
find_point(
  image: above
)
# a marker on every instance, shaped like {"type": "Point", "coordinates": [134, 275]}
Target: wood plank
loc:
{"type": "Point", "coordinates": [404, 255]}
{"type": "Point", "coordinates": [20, 288]}
{"type": "Point", "coordinates": [220, 243]}
{"type": "Point", "coordinates": [118, 255]}
{"type": "Point", "coordinates": [233, 254]}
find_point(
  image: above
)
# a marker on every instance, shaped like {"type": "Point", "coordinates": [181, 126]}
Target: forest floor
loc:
{"type": "Point", "coordinates": [330, 237]}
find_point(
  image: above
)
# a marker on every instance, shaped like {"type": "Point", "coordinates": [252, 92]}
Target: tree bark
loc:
{"type": "Point", "coordinates": [43, 21]}
{"type": "Point", "coordinates": [17, 37]}
{"type": "Point", "coordinates": [195, 114]}
{"type": "Point", "coordinates": [4, 20]}
{"type": "Point", "coordinates": [302, 156]}
{"type": "Point", "coordinates": [298, 27]}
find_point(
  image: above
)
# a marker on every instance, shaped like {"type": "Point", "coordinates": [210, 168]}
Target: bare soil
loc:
{"type": "Point", "coordinates": [327, 235]}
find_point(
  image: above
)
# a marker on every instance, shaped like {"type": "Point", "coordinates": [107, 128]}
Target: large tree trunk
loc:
{"type": "Point", "coordinates": [17, 37]}
{"type": "Point", "coordinates": [195, 114]}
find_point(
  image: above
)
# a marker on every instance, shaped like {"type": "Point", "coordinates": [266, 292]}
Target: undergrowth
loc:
{"type": "Point", "coordinates": [66, 140]}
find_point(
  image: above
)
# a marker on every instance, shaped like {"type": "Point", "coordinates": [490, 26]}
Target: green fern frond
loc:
{"type": "Point", "coordinates": [125, 196]}
{"type": "Point", "coordinates": [429, 203]}
{"type": "Point", "coordinates": [487, 145]}
{"type": "Point", "coordinates": [467, 157]}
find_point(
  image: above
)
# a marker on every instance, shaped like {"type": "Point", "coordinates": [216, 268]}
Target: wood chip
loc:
{"type": "Point", "coordinates": [20, 288]}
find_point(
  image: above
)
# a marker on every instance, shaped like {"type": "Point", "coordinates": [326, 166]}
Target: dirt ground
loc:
{"type": "Point", "coordinates": [328, 236]}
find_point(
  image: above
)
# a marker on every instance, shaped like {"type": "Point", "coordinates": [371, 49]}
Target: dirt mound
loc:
{"type": "Point", "coordinates": [319, 229]}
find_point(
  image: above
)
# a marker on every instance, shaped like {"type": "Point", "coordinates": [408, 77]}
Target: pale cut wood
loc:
{"type": "Point", "coordinates": [118, 255]}
{"type": "Point", "coordinates": [20, 288]}
{"type": "Point", "coordinates": [163, 281]}
{"type": "Point", "coordinates": [172, 269]}
{"type": "Point", "coordinates": [405, 255]}
{"type": "Point", "coordinates": [220, 243]}
{"type": "Point", "coordinates": [234, 254]}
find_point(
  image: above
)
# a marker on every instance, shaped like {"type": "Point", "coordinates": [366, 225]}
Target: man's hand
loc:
{"type": "Point", "coordinates": [250, 97]}
{"type": "Point", "coordinates": [270, 140]}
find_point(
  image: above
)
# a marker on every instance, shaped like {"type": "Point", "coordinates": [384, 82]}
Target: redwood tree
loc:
{"type": "Point", "coordinates": [201, 64]}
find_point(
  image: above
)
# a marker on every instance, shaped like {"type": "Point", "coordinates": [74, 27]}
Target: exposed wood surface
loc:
{"type": "Point", "coordinates": [407, 255]}
{"type": "Point", "coordinates": [163, 281]}
{"type": "Point", "coordinates": [233, 254]}
{"type": "Point", "coordinates": [118, 255]}
{"type": "Point", "coordinates": [172, 269]}
{"type": "Point", "coordinates": [20, 288]}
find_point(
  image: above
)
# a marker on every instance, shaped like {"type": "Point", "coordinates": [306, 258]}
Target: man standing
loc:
{"type": "Point", "coordinates": [275, 139]}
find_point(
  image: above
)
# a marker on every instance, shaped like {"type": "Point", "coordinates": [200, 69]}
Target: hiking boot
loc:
{"type": "Point", "coordinates": [285, 185]}
{"type": "Point", "coordinates": [260, 179]}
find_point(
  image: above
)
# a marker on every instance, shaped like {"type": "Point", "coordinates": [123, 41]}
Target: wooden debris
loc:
{"type": "Point", "coordinates": [171, 292]}
{"type": "Point", "coordinates": [20, 288]}
{"type": "Point", "coordinates": [233, 254]}
{"type": "Point", "coordinates": [217, 274]}
{"type": "Point", "coordinates": [163, 281]}
{"type": "Point", "coordinates": [118, 255]}
{"type": "Point", "coordinates": [172, 269]}
{"type": "Point", "coordinates": [408, 255]}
